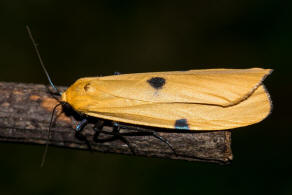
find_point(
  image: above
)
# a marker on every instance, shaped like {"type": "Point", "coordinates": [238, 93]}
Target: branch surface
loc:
{"type": "Point", "coordinates": [25, 111]}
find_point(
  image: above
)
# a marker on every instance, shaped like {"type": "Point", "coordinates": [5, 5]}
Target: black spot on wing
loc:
{"type": "Point", "coordinates": [181, 124]}
{"type": "Point", "coordinates": [156, 82]}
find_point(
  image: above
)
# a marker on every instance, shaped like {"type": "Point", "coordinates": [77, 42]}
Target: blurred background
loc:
{"type": "Point", "coordinates": [92, 38]}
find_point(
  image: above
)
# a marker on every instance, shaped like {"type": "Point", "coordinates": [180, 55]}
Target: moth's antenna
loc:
{"type": "Point", "coordinates": [49, 134]}
{"type": "Point", "coordinates": [40, 59]}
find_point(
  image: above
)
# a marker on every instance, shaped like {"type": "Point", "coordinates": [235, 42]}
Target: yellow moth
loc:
{"type": "Point", "coordinates": [210, 99]}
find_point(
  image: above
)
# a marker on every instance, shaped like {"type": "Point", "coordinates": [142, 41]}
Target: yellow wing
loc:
{"type": "Point", "coordinates": [212, 99]}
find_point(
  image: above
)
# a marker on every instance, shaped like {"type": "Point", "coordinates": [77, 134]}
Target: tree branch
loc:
{"type": "Point", "coordinates": [25, 111]}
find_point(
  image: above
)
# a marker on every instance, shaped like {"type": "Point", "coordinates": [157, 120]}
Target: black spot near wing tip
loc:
{"type": "Point", "coordinates": [156, 82]}
{"type": "Point", "coordinates": [181, 124]}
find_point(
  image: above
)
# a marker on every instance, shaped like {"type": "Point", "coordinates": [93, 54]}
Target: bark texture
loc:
{"type": "Point", "coordinates": [25, 111]}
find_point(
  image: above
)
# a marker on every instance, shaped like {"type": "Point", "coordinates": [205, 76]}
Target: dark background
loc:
{"type": "Point", "coordinates": [90, 38]}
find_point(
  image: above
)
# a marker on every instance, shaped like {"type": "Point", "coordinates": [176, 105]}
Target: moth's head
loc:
{"type": "Point", "coordinates": [64, 98]}
{"type": "Point", "coordinates": [75, 90]}
{"type": "Point", "coordinates": [65, 102]}
{"type": "Point", "coordinates": [65, 105]}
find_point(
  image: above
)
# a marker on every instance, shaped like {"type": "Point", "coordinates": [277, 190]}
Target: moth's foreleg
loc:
{"type": "Point", "coordinates": [81, 125]}
{"type": "Point", "coordinates": [78, 129]}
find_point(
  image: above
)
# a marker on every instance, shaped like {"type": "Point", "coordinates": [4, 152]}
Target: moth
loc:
{"type": "Point", "coordinates": [210, 99]}
{"type": "Point", "coordinates": [194, 100]}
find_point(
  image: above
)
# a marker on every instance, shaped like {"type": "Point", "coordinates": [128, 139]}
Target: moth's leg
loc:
{"type": "Point", "coordinates": [98, 128]}
{"type": "Point", "coordinates": [81, 125]}
{"type": "Point", "coordinates": [78, 129]}
{"type": "Point", "coordinates": [115, 135]}
{"type": "Point", "coordinates": [116, 131]}
{"type": "Point", "coordinates": [144, 132]}
{"type": "Point", "coordinates": [154, 134]}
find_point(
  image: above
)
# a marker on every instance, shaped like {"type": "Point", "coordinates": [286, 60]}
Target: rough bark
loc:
{"type": "Point", "coordinates": [25, 111]}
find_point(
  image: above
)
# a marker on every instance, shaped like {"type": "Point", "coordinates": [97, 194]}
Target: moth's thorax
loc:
{"type": "Point", "coordinates": [78, 88]}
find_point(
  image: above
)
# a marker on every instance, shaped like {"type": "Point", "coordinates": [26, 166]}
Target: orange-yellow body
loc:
{"type": "Point", "coordinates": [211, 99]}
